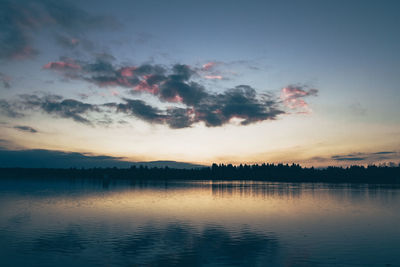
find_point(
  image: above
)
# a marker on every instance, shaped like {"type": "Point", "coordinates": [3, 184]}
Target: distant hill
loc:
{"type": "Point", "coordinates": [41, 158]}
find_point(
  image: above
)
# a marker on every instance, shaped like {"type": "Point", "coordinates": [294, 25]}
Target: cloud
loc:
{"type": "Point", "coordinates": [174, 85]}
{"type": "Point", "coordinates": [368, 157]}
{"type": "Point", "coordinates": [212, 71]}
{"type": "Point", "coordinates": [103, 73]}
{"type": "Point", "coordinates": [212, 109]}
{"type": "Point", "coordinates": [73, 42]}
{"type": "Point", "coordinates": [62, 65]}
{"type": "Point", "coordinates": [67, 42]}
{"type": "Point", "coordinates": [179, 85]}
{"type": "Point", "coordinates": [357, 109]}
{"type": "Point", "coordinates": [25, 129]}
{"type": "Point", "coordinates": [21, 20]}
{"type": "Point", "coordinates": [65, 108]}
{"type": "Point", "coordinates": [139, 109]}
{"type": "Point", "coordinates": [351, 158]}
{"type": "Point", "coordinates": [174, 117]}
{"type": "Point", "coordinates": [384, 153]}
{"type": "Point", "coordinates": [196, 105]}
{"type": "Point", "coordinates": [208, 66]}
{"type": "Point", "coordinates": [387, 158]}
{"type": "Point", "coordinates": [240, 102]}
{"type": "Point", "coordinates": [292, 97]}
{"type": "Point", "coordinates": [178, 118]}
{"type": "Point", "coordinates": [5, 80]}
{"type": "Point", "coordinates": [213, 77]}
{"type": "Point", "coordinates": [9, 109]}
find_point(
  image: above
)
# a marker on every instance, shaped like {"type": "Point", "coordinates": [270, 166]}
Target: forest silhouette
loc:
{"type": "Point", "coordinates": [263, 172]}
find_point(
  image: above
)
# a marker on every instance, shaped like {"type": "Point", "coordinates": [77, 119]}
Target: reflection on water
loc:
{"type": "Point", "coordinates": [200, 223]}
{"type": "Point", "coordinates": [181, 245]}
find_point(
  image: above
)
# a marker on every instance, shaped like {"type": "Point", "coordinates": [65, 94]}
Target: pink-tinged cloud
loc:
{"type": "Point", "coordinates": [177, 98]}
{"type": "Point", "coordinates": [292, 98]}
{"type": "Point", "coordinates": [143, 86]}
{"type": "Point", "coordinates": [62, 65]}
{"type": "Point", "coordinates": [123, 82]}
{"type": "Point", "coordinates": [213, 77]}
{"type": "Point", "coordinates": [74, 41]}
{"type": "Point", "coordinates": [127, 71]}
{"type": "Point", "coordinates": [209, 66]}
{"type": "Point", "coordinates": [114, 93]}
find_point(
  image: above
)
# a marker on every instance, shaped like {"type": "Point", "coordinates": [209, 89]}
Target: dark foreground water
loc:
{"type": "Point", "coordinates": [95, 223]}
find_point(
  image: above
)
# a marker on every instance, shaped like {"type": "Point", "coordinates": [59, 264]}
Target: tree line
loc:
{"type": "Point", "coordinates": [263, 172]}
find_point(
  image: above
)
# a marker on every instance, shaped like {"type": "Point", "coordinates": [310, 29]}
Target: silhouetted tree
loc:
{"type": "Point", "coordinates": [265, 172]}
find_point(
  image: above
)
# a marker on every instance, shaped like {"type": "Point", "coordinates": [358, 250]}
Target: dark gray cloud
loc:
{"type": "Point", "coordinates": [240, 102]}
{"type": "Point", "coordinates": [173, 117]}
{"type": "Point", "coordinates": [212, 109]}
{"type": "Point", "coordinates": [179, 118]}
{"type": "Point", "coordinates": [25, 128]}
{"type": "Point", "coordinates": [21, 19]}
{"type": "Point", "coordinates": [9, 109]}
{"type": "Point", "coordinates": [344, 158]}
{"type": "Point", "coordinates": [139, 109]}
{"type": "Point", "coordinates": [175, 86]}
{"type": "Point", "coordinates": [56, 105]}
{"type": "Point", "coordinates": [384, 153]}
{"type": "Point", "coordinates": [368, 157]}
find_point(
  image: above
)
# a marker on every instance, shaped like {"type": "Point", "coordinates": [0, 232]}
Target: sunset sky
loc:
{"type": "Point", "coordinates": [311, 82]}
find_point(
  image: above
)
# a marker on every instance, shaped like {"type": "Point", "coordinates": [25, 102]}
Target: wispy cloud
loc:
{"type": "Point", "coordinates": [293, 98]}
{"type": "Point", "coordinates": [361, 158]}
{"type": "Point", "coordinates": [213, 77]}
{"type": "Point", "coordinates": [20, 20]}
{"type": "Point", "coordinates": [62, 65]}
{"type": "Point", "coordinates": [364, 157]}
{"type": "Point", "coordinates": [357, 109]}
{"type": "Point", "coordinates": [9, 109]}
{"type": "Point", "coordinates": [5, 80]}
{"type": "Point", "coordinates": [56, 105]}
{"type": "Point", "coordinates": [208, 66]}
{"type": "Point", "coordinates": [25, 128]}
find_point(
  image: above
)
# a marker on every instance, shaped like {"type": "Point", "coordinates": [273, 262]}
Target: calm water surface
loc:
{"type": "Point", "coordinates": [95, 223]}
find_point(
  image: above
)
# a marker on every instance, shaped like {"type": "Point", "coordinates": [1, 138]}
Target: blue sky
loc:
{"type": "Point", "coordinates": [287, 81]}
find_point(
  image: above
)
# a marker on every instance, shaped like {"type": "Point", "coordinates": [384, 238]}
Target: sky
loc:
{"type": "Point", "coordinates": [310, 82]}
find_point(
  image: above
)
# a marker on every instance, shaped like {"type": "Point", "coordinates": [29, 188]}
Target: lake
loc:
{"type": "Point", "coordinates": [64, 222]}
